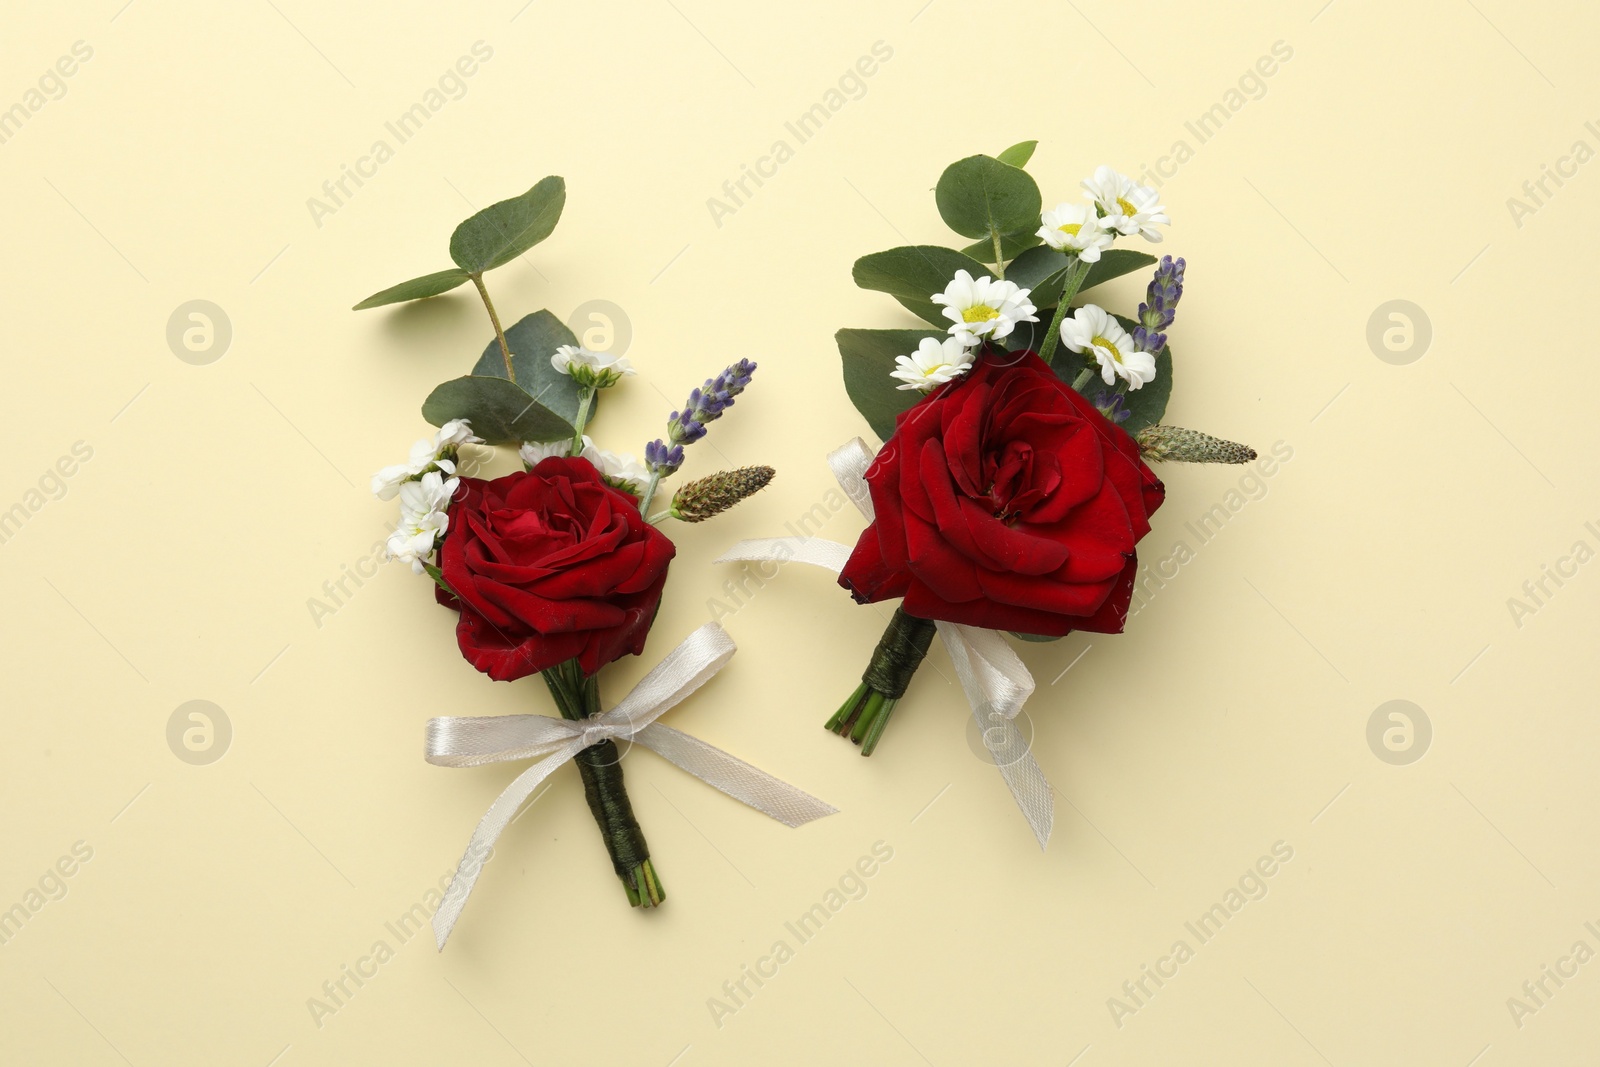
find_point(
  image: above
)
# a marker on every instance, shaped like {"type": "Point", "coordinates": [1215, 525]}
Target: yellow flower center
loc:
{"type": "Point", "coordinates": [979, 313]}
{"type": "Point", "coordinates": [1101, 342]}
{"type": "Point", "coordinates": [1127, 208]}
{"type": "Point", "coordinates": [1071, 228]}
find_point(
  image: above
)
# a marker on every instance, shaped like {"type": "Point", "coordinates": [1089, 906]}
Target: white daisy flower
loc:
{"type": "Point", "coordinates": [423, 518]}
{"type": "Point", "coordinates": [1093, 331]}
{"type": "Point", "coordinates": [933, 363]}
{"type": "Point", "coordinates": [454, 434]}
{"type": "Point", "coordinates": [617, 467]}
{"type": "Point", "coordinates": [1126, 206]}
{"type": "Point", "coordinates": [983, 308]}
{"type": "Point", "coordinates": [1075, 229]}
{"type": "Point", "coordinates": [597, 369]}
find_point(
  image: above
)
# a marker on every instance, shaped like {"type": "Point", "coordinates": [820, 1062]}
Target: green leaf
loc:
{"type": "Point", "coordinates": [912, 273]}
{"type": "Point", "coordinates": [868, 357]}
{"type": "Point", "coordinates": [1036, 638]}
{"type": "Point", "coordinates": [1011, 246]}
{"type": "Point", "coordinates": [1018, 154]}
{"type": "Point", "coordinates": [1044, 270]}
{"type": "Point", "coordinates": [416, 289]}
{"type": "Point", "coordinates": [502, 232]}
{"type": "Point", "coordinates": [981, 195]}
{"type": "Point", "coordinates": [501, 411]}
{"type": "Point", "coordinates": [532, 341]}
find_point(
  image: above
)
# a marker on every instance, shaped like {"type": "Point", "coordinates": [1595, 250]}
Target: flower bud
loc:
{"type": "Point", "coordinates": [1190, 446]}
{"type": "Point", "coordinates": [716, 493]}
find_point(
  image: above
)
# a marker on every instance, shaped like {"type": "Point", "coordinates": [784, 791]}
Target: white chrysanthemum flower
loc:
{"type": "Point", "coordinates": [426, 453]}
{"type": "Point", "coordinates": [597, 369]}
{"type": "Point", "coordinates": [1092, 330]}
{"type": "Point", "coordinates": [1126, 206]}
{"type": "Point", "coordinates": [618, 467]}
{"type": "Point", "coordinates": [1076, 229]}
{"type": "Point", "coordinates": [933, 363]}
{"type": "Point", "coordinates": [424, 518]}
{"type": "Point", "coordinates": [983, 308]}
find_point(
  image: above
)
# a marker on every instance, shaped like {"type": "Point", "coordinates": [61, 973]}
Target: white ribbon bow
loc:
{"type": "Point", "coordinates": [473, 741]}
{"type": "Point", "coordinates": [994, 679]}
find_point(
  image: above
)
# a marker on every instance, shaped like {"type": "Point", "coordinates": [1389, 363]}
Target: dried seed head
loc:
{"type": "Point", "coordinates": [1190, 446]}
{"type": "Point", "coordinates": [716, 493]}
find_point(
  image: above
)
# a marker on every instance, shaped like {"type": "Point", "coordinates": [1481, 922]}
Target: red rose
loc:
{"type": "Point", "coordinates": [1007, 501]}
{"type": "Point", "coordinates": [549, 565]}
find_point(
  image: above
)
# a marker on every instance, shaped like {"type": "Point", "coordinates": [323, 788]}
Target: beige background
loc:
{"type": "Point", "coordinates": [1375, 565]}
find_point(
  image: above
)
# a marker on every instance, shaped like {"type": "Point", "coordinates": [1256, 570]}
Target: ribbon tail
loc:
{"type": "Point", "coordinates": [749, 785]}
{"type": "Point", "coordinates": [813, 550]}
{"type": "Point", "coordinates": [494, 821]}
{"type": "Point", "coordinates": [1028, 785]}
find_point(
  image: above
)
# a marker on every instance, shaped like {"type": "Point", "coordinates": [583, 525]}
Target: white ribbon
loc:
{"type": "Point", "coordinates": [994, 679]}
{"type": "Point", "coordinates": [473, 741]}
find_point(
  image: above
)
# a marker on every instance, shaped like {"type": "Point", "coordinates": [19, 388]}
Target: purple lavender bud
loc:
{"type": "Point", "coordinates": [707, 403]}
{"type": "Point", "coordinates": [1110, 405]}
{"type": "Point", "coordinates": [1161, 298]}
{"type": "Point", "coordinates": [1148, 341]}
{"type": "Point", "coordinates": [659, 457]}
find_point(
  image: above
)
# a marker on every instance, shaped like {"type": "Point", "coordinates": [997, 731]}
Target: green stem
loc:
{"type": "Point", "coordinates": [500, 335]}
{"type": "Point", "coordinates": [865, 713]}
{"type": "Point", "coordinates": [1078, 272]}
{"type": "Point", "coordinates": [585, 402]}
{"type": "Point", "coordinates": [649, 492]}
{"type": "Point", "coordinates": [578, 697]}
{"type": "Point", "coordinates": [1085, 376]}
{"type": "Point", "coordinates": [999, 260]}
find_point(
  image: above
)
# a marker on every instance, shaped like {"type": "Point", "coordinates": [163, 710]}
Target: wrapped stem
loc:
{"type": "Point", "coordinates": [600, 767]}
{"type": "Point", "coordinates": [865, 713]}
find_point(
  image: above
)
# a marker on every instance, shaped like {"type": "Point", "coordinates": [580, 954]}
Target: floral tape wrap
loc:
{"type": "Point", "coordinates": [995, 681]}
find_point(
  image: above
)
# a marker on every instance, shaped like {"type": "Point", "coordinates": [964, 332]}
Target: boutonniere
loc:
{"type": "Point", "coordinates": [558, 569]}
{"type": "Point", "coordinates": [1014, 483]}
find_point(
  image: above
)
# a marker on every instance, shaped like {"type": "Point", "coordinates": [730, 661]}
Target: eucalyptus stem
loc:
{"type": "Point", "coordinates": [999, 260]}
{"type": "Point", "coordinates": [585, 403]}
{"type": "Point", "coordinates": [500, 335]}
{"type": "Point", "coordinates": [1079, 271]}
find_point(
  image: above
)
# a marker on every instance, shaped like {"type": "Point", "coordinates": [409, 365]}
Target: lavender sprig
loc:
{"type": "Point", "coordinates": [706, 404]}
{"type": "Point", "coordinates": [1160, 306]}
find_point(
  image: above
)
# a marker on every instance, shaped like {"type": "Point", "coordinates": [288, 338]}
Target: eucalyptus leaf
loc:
{"type": "Point", "coordinates": [533, 340]}
{"type": "Point", "coordinates": [502, 232]}
{"type": "Point", "coordinates": [1018, 154]}
{"type": "Point", "coordinates": [868, 357]}
{"type": "Point", "coordinates": [980, 195]}
{"type": "Point", "coordinates": [913, 273]}
{"type": "Point", "coordinates": [416, 289]}
{"type": "Point", "coordinates": [500, 410]}
{"type": "Point", "coordinates": [1044, 270]}
{"type": "Point", "coordinates": [1012, 245]}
